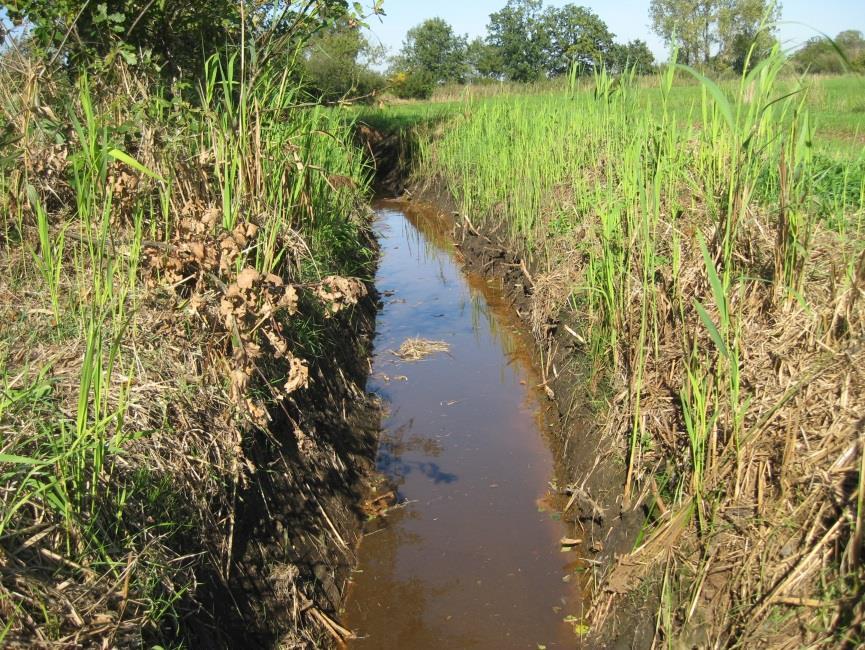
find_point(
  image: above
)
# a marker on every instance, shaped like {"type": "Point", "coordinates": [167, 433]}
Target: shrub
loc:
{"type": "Point", "coordinates": [413, 84]}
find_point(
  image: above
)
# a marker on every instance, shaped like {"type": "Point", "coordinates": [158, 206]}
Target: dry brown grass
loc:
{"type": "Point", "coordinates": [777, 561]}
{"type": "Point", "coordinates": [416, 348]}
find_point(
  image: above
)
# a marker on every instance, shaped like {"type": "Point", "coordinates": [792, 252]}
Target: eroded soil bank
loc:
{"type": "Point", "coordinates": [298, 520]}
{"type": "Point", "coordinates": [470, 552]}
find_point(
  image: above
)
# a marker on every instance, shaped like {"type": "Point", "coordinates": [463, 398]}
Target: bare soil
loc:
{"type": "Point", "coordinates": [299, 522]}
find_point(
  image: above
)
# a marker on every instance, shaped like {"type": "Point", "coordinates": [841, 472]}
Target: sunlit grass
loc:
{"type": "Point", "coordinates": [691, 213]}
{"type": "Point", "coordinates": [81, 416]}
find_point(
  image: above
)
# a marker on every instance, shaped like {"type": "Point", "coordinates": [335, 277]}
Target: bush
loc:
{"type": "Point", "coordinates": [175, 36]}
{"type": "Point", "coordinates": [173, 33]}
{"type": "Point", "coordinates": [414, 84]}
{"type": "Point", "coordinates": [338, 65]}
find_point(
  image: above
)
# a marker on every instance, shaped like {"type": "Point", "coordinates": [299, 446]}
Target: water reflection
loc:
{"type": "Point", "coordinates": [394, 447]}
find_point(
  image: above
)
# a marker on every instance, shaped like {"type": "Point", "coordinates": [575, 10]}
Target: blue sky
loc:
{"type": "Point", "coordinates": [627, 19]}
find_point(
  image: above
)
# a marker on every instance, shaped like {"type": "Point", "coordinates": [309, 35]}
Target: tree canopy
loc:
{"type": "Point", "coordinates": [716, 33]}
{"type": "Point", "coordinates": [634, 54]}
{"type": "Point", "coordinates": [338, 63]}
{"type": "Point", "coordinates": [527, 42]}
{"type": "Point", "coordinates": [519, 35]}
{"type": "Point", "coordinates": [824, 56]}
{"type": "Point", "coordinates": [174, 36]}
{"type": "Point", "coordinates": [576, 36]}
{"type": "Point", "coordinates": [433, 47]}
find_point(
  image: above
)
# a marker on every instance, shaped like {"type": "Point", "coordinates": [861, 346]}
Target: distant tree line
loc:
{"type": "Point", "coordinates": [721, 35]}
{"type": "Point", "coordinates": [717, 35]}
{"type": "Point", "coordinates": [844, 53]}
{"type": "Point", "coordinates": [526, 42]}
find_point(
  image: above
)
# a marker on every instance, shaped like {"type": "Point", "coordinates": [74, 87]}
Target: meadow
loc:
{"type": "Point", "coordinates": [709, 239]}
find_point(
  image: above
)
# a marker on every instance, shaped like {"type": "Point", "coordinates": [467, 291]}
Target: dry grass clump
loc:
{"type": "Point", "coordinates": [773, 556]}
{"type": "Point", "coordinates": [163, 314]}
{"type": "Point", "coordinates": [416, 348]}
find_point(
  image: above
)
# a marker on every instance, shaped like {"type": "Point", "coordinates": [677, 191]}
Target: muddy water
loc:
{"type": "Point", "coordinates": [471, 558]}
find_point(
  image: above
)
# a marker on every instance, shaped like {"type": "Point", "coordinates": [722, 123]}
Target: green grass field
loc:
{"type": "Point", "coordinates": [836, 105]}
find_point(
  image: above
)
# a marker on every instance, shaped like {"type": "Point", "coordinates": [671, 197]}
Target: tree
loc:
{"type": "Point", "coordinates": [635, 54]}
{"type": "Point", "coordinates": [822, 56]}
{"type": "Point", "coordinates": [687, 24]}
{"type": "Point", "coordinates": [483, 60]}
{"type": "Point", "coordinates": [434, 48]}
{"type": "Point", "coordinates": [745, 28]}
{"type": "Point", "coordinates": [414, 84]}
{"type": "Point", "coordinates": [518, 35]}
{"type": "Point", "coordinates": [338, 63]}
{"type": "Point", "coordinates": [576, 36]}
{"type": "Point", "coordinates": [177, 35]}
{"type": "Point", "coordinates": [714, 31]}
{"type": "Point", "coordinates": [852, 43]}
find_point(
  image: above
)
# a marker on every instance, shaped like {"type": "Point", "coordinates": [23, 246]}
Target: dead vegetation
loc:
{"type": "Point", "coordinates": [775, 556]}
{"type": "Point", "coordinates": [416, 349]}
{"type": "Point", "coordinates": [177, 332]}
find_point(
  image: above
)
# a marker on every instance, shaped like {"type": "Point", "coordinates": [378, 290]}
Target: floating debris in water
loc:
{"type": "Point", "coordinates": [415, 349]}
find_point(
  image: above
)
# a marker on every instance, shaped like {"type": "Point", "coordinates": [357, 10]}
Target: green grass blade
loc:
{"type": "Point", "coordinates": [718, 292]}
{"type": "Point", "coordinates": [713, 330]}
{"type": "Point", "coordinates": [22, 460]}
{"type": "Point", "coordinates": [124, 157]}
{"type": "Point", "coordinates": [718, 95]}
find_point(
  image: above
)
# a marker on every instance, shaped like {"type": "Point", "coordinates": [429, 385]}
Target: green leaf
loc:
{"type": "Point", "coordinates": [129, 56]}
{"type": "Point", "coordinates": [713, 330]}
{"type": "Point", "coordinates": [20, 460]}
{"type": "Point", "coordinates": [129, 160]}
{"type": "Point", "coordinates": [717, 94]}
{"type": "Point", "coordinates": [717, 287]}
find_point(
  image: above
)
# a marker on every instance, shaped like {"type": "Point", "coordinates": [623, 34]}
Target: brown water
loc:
{"type": "Point", "coordinates": [472, 558]}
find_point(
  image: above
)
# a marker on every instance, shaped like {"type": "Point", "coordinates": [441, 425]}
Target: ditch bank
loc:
{"type": "Point", "coordinates": [242, 489]}
{"type": "Point", "coordinates": [590, 464]}
{"type": "Point", "coordinates": [299, 515]}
